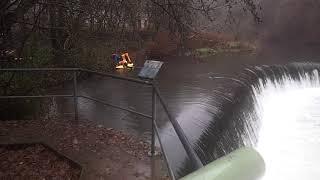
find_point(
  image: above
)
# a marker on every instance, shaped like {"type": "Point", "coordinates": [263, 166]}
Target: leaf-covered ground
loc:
{"type": "Point", "coordinates": [104, 153]}
{"type": "Point", "coordinates": [34, 162]}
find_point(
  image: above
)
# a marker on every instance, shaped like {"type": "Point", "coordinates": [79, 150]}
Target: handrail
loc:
{"type": "Point", "coordinates": [39, 96]}
{"type": "Point", "coordinates": [183, 138]}
{"type": "Point", "coordinates": [40, 69]}
{"type": "Point", "coordinates": [156, 93]}
{"type": "Point", "coordinates": [117, 77]}
{"type": "Point", "coordinates": [115, 106]}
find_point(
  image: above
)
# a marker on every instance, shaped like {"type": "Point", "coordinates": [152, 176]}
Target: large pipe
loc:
{"type": "Point", "coordinates": [242, 164]}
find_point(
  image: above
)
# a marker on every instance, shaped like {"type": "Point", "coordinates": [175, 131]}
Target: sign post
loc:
{"type": "Point", "coordinates": [150, 71]}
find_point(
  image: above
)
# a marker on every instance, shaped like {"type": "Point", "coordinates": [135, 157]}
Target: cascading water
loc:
{"type": "Point", "coordinates": [289, 133]}
{"type": "Point", "coordinates": [276, 110]}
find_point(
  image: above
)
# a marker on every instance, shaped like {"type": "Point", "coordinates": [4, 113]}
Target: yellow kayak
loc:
{"type": "Point", "coordinates": [119, 67]}
{"type": "Point", "coordinates": [130, 65]}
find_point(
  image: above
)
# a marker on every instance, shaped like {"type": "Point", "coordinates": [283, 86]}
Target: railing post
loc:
{"type": "Point", "coordinates": [154, 109]}
{"type": "Point", "coordinates": [75, 95]}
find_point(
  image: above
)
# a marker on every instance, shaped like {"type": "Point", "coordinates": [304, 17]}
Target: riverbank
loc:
{"type": "Point", "coordinates": [200, 45]}
{"type": "Point", "coordinates": [101, 152]}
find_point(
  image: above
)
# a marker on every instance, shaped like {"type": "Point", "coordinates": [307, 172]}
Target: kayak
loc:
{"type": "Point", "coordinates": [119, 67]}
{"type": "Point", "coordinates": [130, 65]}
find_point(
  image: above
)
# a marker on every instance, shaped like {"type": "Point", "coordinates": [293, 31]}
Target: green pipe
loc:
{"type": "Point", "coordinates": [242, 164]}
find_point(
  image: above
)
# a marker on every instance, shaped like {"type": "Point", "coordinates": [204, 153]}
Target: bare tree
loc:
{"type": "Point", "coordinates": [68, 26]}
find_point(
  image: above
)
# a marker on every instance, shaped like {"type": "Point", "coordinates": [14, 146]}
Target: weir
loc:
{"type": "Point", "coordinates": [275, 111]}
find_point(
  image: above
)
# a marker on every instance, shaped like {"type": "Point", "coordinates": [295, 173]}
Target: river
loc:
{"type": "Point", "coordinates": [223, 102]}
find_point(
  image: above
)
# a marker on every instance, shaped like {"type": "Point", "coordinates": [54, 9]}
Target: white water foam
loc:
{"type": "Point", "coordinates": [289, 134]}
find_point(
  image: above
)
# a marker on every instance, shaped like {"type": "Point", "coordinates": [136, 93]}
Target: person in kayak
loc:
{"type": "Point", "coordinates": [122, 61]}
{"type": "Point", "coordinates": [118, 60]}
{"type": "Point", "coordinates": [126, 57]}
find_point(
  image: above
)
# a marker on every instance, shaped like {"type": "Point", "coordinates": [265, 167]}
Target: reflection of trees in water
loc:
{"type": "Point", "coordinates": [237, 124]}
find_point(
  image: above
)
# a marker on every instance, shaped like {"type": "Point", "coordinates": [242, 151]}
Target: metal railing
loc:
{"type": "Point", "coordinates": [155, 95]}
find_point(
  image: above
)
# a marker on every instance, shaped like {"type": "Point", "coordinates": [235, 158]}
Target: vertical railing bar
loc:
{"type": "Point", "coordinates": [75, 95]}
{"type": "Point", "coordinates": [184, 140]}
{"type": "Point", "coordinates": [155, 132]}
{"type": "Point", "coordinates": [154, 110]}
{"type": "Point", "coordinates": [171, 174]}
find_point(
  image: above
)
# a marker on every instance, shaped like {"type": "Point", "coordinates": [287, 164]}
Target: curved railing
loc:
{"type": "Point", "coordinates": [155, 95]}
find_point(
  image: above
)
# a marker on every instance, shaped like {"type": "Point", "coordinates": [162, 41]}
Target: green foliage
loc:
{"type": "Point", "coordinates": [96, 56]}
{"type": "Point", "coordinates": [36, 54]}
{"type": "Point", "coordinates": [41, 57]}
{"type": "Point", "coordinates": [225, 47]}
{"type": "Point", "coordinates": [205, 52]}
